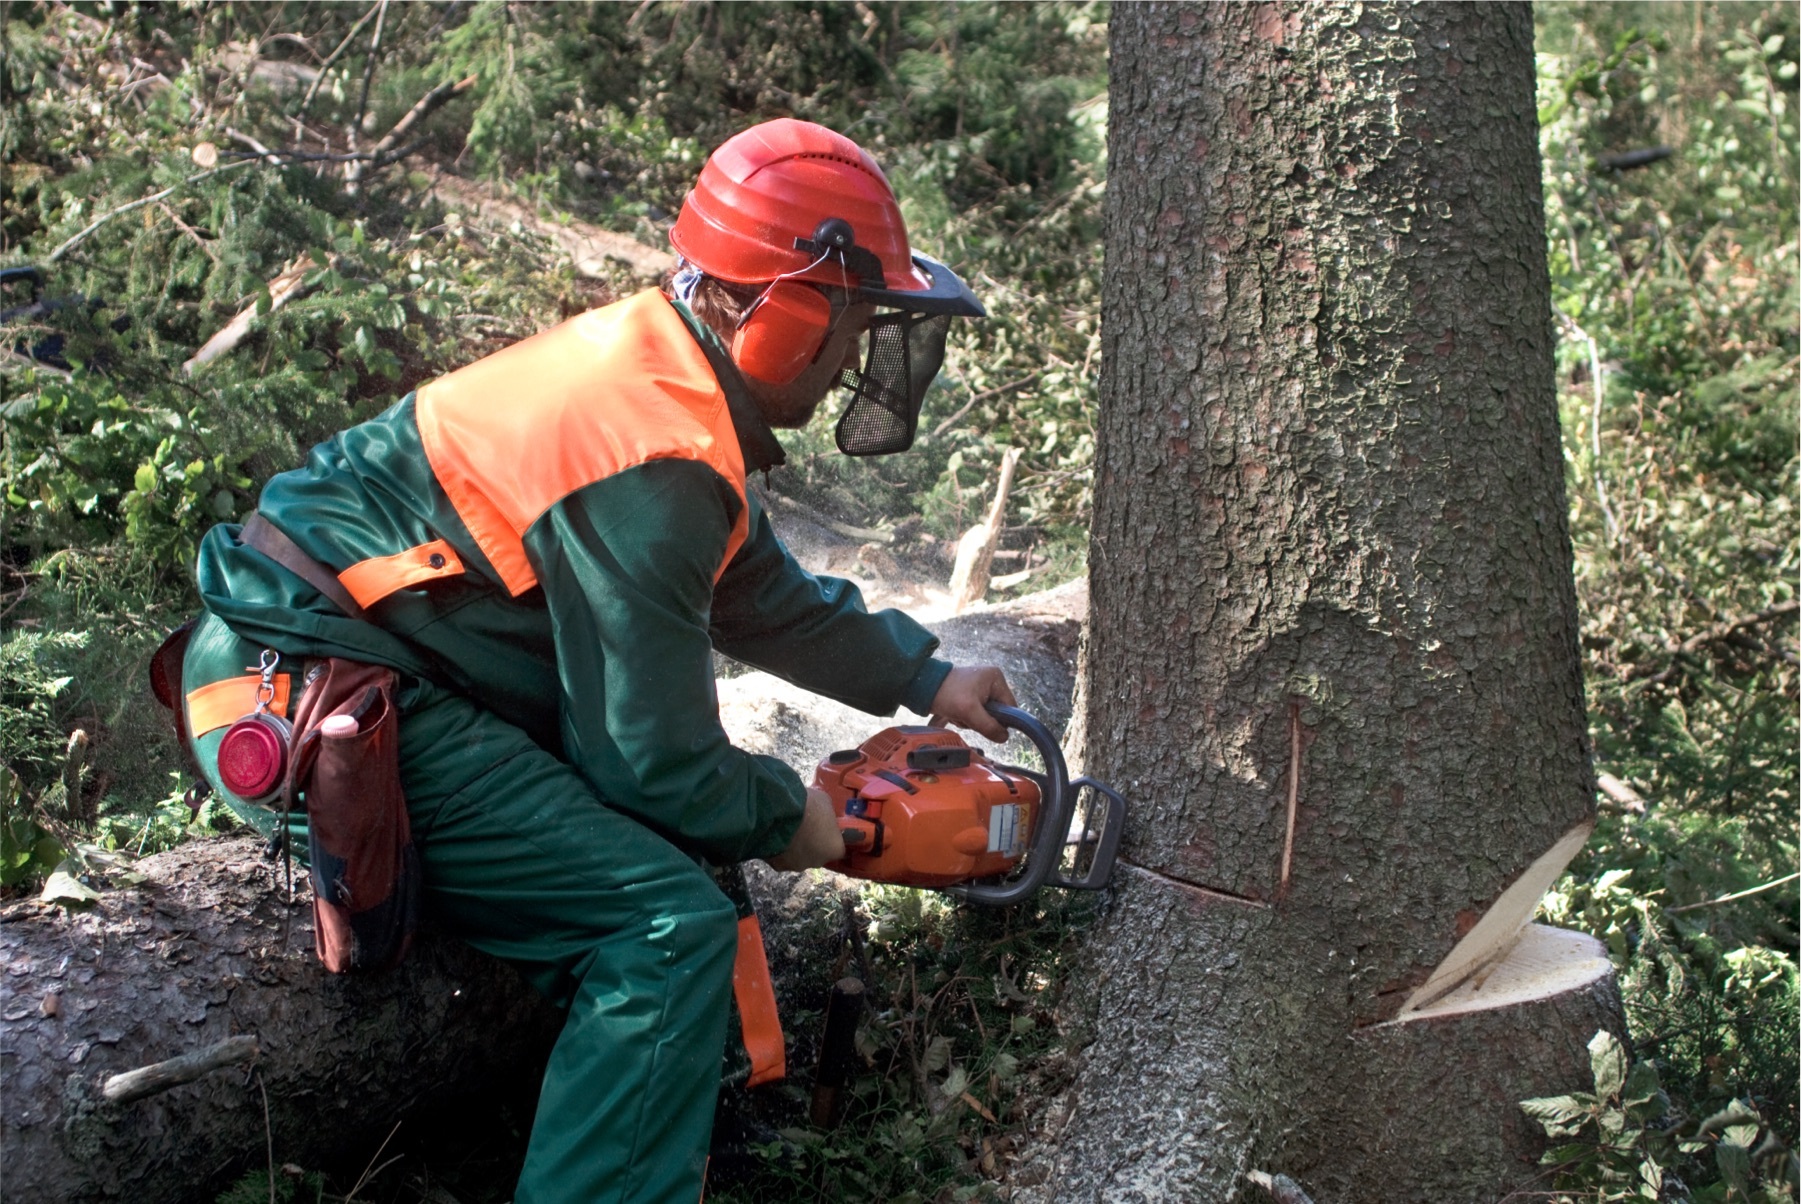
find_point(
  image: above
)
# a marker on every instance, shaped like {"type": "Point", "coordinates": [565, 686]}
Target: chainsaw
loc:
{"type": "Point", "coordinates": [919, 807]}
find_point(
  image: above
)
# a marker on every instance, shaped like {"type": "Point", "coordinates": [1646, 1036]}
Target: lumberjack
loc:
{"type": "Point", "coordinates": [477, 632]}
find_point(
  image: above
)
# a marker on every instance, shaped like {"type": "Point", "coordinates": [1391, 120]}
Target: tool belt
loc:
{"type": "Point", "coordinates": [342, 767]}
{"type": "Point", "coordinates": [366, 873]}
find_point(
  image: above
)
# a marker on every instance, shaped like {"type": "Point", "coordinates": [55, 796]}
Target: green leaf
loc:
{"type": "Point", "coordinates": [1734, 1113]}
{"type": "Point", "coordinates": [1561, 1154]}
{"type": "Point", "coordinates": [1734, 1162]}
{"type": "Point", "coordinates": [145, 478]}
{"type": "Point", "coordinates": [1740, 1135]}
{"type": "Point", "coordinates": [1607, 1057]}
{"type": "Point", "coordinates": [955, 1083]}
{"type": "Point", "coordinates": [1561, 1115]}
{"type": "Point", "coordinates": [1641, 1085]}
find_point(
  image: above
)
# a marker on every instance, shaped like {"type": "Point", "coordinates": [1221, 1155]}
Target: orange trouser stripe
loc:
{"type": "Point", "coordinates": [757, 1014]}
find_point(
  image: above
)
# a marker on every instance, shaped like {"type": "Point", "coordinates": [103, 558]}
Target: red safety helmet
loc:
{"type": "Point", "coordinates": [789, 203]}
{"type": "Point", "coordinates": [791, 199]}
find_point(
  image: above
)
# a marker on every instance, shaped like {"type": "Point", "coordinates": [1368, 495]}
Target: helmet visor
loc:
{"type": "Point", "coordinates": [905, 352]}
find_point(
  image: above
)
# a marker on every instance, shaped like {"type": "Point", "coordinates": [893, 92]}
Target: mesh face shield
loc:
{"type": "Point", "coordinates": [905, 352]}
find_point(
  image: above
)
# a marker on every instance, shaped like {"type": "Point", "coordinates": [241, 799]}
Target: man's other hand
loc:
{"type": "Point", "coordinates": [817, 841]}
{"type": "Point", "coordinates": [964, 696]}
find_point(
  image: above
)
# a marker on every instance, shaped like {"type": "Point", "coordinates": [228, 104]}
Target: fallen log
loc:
{"type": "Point", "coordinates": [171, 985]}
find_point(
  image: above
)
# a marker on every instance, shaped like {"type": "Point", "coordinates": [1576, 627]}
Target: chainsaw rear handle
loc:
{"type": "Point", "coordinates": [1056, 808]}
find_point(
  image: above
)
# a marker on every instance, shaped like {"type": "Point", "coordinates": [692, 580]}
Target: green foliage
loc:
{"type": "Point", "coordinates": [167, 822]}
{"type": "Point", "coordinates": [1717, 1018]}
{"type": "Point", "coordinates": [1675, 286]}
{"type": "Point", "coordinates": [292, 1186]}
{"type": "Point", "coordinates": [31, 741]}
{"type": "Point", "coordinates": [1621, 1142]}
{"type": "Point", "coordinates": [960, 1023]}
{"type": "Point", "coordinates": [27, 849]}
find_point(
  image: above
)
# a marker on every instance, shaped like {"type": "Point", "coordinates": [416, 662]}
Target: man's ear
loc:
{"type": "Point", "coordinates": [783, 332]}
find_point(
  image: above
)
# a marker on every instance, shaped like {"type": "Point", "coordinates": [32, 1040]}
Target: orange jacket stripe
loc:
{"type": "Point", "coordinates": [511, 435]}
{"type": "Point", "coordinates": [757, 1015]}
{"type": "Point", "coordinates": [369, 581]}
{"type": "Point", "coordinates": [222, 702]}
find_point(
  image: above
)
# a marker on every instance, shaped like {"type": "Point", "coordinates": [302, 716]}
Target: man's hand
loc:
{"type": "Point", "coordinates": [817, 841]}
{"type": "Point", "coordinates": [964, 697]}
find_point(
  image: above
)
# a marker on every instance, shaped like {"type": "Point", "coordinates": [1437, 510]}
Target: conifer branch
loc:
{"type": "Point", "coordinates": [74, 240]}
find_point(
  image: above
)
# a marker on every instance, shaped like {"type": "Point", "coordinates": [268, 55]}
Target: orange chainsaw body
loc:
{"type": "Point", "coordinates": [919, 807]}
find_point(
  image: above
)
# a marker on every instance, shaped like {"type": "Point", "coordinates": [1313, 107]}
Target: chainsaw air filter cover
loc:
{"type": "Point", "coordinates": [919, 807]}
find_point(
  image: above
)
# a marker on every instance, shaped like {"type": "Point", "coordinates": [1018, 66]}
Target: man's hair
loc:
{"type": "Point", "coordinates": [720, 305]}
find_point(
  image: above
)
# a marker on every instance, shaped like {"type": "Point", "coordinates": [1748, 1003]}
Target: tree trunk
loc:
{"type": "Point", "coordinates": [1332, 645]}
{"type": "Point", "coordinates": [204, 950]}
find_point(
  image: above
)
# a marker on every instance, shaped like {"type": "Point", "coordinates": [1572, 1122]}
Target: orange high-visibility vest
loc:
{"type": "Point", "coordinates": [511, 435]}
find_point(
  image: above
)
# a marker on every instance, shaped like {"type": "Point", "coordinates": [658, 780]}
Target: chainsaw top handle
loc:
{"type": "Point", "coordinates": [1056, 808]}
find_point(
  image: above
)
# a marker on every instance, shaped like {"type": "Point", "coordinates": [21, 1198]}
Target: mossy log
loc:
{"type": "Point", "coordinates": [206, 949]}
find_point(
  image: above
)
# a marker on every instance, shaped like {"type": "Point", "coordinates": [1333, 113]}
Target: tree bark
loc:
{"type": "Point", "coordinates": [207, 949]}
{"type": "Point", "coordinates": [1332, 649]}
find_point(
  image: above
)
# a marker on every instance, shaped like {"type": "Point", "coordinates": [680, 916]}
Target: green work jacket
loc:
{"type": "Point", "coordinates": [562, 532]}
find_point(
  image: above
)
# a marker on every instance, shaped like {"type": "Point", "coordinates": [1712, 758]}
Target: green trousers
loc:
{"type": "Point", "coordinates": [609, 920]}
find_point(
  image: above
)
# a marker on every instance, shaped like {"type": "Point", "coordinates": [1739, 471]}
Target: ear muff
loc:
{"type": "Point", "coordinates": [783, 332]}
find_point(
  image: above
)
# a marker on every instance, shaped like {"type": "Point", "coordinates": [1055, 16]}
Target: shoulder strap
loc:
{"type": "Point", "coordinates": [269, 539]}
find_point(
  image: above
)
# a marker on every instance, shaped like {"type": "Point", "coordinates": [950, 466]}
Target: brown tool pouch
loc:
{"type": "Point", "coordinates": [365, 871]}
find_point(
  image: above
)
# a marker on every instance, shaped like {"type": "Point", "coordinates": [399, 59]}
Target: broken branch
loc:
{"type": "Point", "coordinates": [382, 153]}
{"type": "Point", "coordinates": [187, 230]}
{"type": "Point", "coordinates": [283, 289]}
{"type": "Point", "coordinates": [1021, 383]}
{"type": "Point", "coordinates": [253, 144]}
{"type": "Point", "coordinates": [975, 551]}
{"type": "Point", "coordinates": [160, 1076]}
{"type": "Point", "coordinates": [1620, 794]}
{"type": "Point", "coordinates": [325, 67]}
{"type": "Point", "coordinates": [362, 104]}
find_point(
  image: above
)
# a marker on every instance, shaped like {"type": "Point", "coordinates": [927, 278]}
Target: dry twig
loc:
{"type": "Point", "coordinates": [1734, 897]}
{"type": "Point", "coordinates": [984, 396]}
{"type": "Point", "coordinates": [188, 230]}
{"type": "Point", "coordinates": [160, 1076]}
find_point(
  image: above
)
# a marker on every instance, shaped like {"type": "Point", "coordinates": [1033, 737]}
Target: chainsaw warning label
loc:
{"type": "Point", "coordinates": [1004, 834]}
